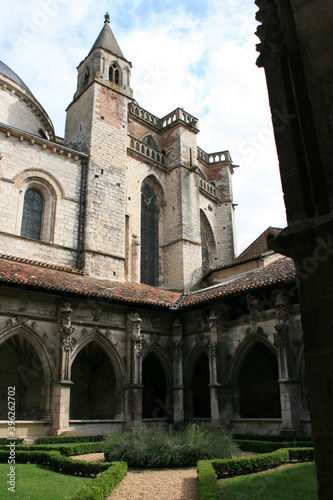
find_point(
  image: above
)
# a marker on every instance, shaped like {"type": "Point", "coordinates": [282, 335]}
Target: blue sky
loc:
{"type": "Point", "coordinates": [199, 55]}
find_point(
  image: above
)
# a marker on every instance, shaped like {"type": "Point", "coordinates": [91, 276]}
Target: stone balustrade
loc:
{"type": "Point", "coordinates": [207, 187]}
{"type": "Point", "coordinates": [152, 120]}
{"type": "Point", "coordinates": [144, 149]}
{"type": "Point", "coordinates": [179, 115]}
{"type": "Point", "coordinates": [211, 158]}
{"type": "Point", "coordinates": [134, 109]}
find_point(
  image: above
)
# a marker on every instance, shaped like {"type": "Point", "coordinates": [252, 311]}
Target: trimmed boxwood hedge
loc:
{"type": "Point", "coordinates": [57, 462]}
{"type": "Point", "coordinates": [278, 439]}
{"type": "Point", "coordinates": [67, 450]}
{"type": "Point", "coordinates": [103, 485]}
{"type": "Point", "coordinates": [249, 465]}
{"type": "Point", "coordinates": [4, 441]}
{"type": "Point", "coordinates": [111, 473]}
{"type": "Point", "coordinates": [210, 470]}
{"type": "Point", "coordinates": [207, 483]}
{"type": "Point", "coordinates": [69, 439]}
{"type": "Point", "coordinates": [257, 446]}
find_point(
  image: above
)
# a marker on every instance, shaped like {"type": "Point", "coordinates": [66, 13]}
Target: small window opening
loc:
{"type": "Point", "coordinates": [86, 76]}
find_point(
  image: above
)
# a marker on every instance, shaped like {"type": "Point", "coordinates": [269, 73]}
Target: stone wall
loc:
{"type": "Point", "coordinates": [55, 173]}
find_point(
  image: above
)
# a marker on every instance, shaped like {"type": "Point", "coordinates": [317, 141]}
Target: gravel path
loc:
{"type": "Point", "coordinates": [148, 484]}
{"type": "Point", "coordinates": [164, 484]}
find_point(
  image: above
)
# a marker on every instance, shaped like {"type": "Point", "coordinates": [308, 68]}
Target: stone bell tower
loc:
{"type": "Point", "coordinates": [97, 125]}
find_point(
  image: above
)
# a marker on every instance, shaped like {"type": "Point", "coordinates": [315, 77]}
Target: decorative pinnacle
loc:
{"type": "Point", "coordinates": [107, 18]}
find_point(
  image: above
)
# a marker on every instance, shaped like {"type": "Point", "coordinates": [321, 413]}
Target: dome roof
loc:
{"type": "Point", "coordinates": [20, 109]}
{"type": "Point", "coordinates": [6, 71]}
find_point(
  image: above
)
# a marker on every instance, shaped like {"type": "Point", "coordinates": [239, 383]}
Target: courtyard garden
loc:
{"type": "Point", "coordinates": [277, 468]}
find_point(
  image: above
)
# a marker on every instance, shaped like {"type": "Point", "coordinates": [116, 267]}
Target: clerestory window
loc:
{"type": "Point", "coordinates": [149, 237]}
{"type": "Point", "coordinates": [31, 226]}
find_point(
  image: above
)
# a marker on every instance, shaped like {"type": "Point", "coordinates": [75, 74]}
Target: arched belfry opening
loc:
{"type": "Point", "coordinates": [258, 384]}
{"type": "Point", "coordinates": [200, 388]}
{"type": "Point", "coordinates": [115, 74]}
{"type": "Point", "coordinates": [21, 367]}
{"type": "Point", "coordinates": [154, 393]}
{"type": "Point", "coordinates": [93, 392]}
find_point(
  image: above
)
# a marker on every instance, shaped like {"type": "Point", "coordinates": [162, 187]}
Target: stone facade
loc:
{"type": "Point", "coordinates": [105, 323]}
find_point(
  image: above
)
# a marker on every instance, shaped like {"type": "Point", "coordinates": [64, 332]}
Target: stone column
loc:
{"type": "Point", "coordinates": [60, 403]}
{"type": "Point", "coordinates": [212, 353]}
{"type": "Point", "coordinates": [134, 387]}
{"type": "Point", "coordinates": [290, 396]}
{"type": "Point", "coordinates": [178, 387]}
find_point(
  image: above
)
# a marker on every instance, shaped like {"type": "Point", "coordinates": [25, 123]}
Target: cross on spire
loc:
{"type": "Point", "coordinates": [107, 18]}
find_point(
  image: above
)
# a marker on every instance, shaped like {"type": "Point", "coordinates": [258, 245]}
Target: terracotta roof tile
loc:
{"type": "Point", "coordinates": [278, 272]}
{"type": "Point", "coordinates": [22, 274]}
{"type": "Point", "coordinates": [57, 281]}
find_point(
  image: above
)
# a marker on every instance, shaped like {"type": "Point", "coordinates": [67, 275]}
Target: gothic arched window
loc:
{"type": "Point", "coordinates": [149, 237]}
{"type": "Point", "coordinates": [32, 214]}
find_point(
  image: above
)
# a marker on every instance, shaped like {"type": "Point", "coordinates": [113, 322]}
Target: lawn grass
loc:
{"type": "Point", "coordinates": [295, 482]}
{"type": "Point", "coordinates": [34, 482]}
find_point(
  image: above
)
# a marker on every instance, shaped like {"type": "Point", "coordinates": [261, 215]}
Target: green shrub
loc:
{"type": "Point", "coordinates": [301, 454]}
{"type": "Point", "coordinates": [249, 465]}
{"type": "Point", "coordinates": [207, 483]}
{"type": "Point", "coordinates": [159, 447]}
{"type": "Point", "coordinates": [69, 439]}
{"type": "Point", "coordinates": [103, 484]}
{"type": "Point", "coordinates": [4, 441]}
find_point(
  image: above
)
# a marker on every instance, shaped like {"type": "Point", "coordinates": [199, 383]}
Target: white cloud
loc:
{"type": "Point", "coordinates": [196, 55]}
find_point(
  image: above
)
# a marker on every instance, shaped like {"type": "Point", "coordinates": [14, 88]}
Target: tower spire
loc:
{"type": "Point", "coordinates": [106, 39]}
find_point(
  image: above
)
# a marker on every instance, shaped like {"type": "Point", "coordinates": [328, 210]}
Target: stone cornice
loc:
{"type": "Point", "coordinates": [44, 143]}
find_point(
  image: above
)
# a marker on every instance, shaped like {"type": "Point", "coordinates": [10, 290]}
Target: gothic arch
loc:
{"type": "Point", "coordinates": [197, 392]}
{"type": "Point", "coordinates": [37, 343]}
{"type": "Point", "coordinates": [208, 243]}
{"type": "Point", "coordinates": [155, 184]}
{"type": "Point", "coordinates": [254, 377]}
{"type": "Point", "coordinates": [100, 395]}
{"type": "Point", "coordinates": [242, 351]}
{"type": "Point", "coordinates": [192, 359]}
{"type": "Point", "coordinates": [157, 384]}
{"type": "Point", "coordinates": [44, 357]}
{"type": "Point", "coordinates": [163, 358]}
{"type": "Point", "coordinates": [109, 350]}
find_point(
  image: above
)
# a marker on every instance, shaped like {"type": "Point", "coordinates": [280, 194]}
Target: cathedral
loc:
{"type": "Point", "coordinates": [122, 300]}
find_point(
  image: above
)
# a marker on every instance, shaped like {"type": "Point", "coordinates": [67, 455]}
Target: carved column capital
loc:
{"type": "Point", "coordinates": [65, 319]}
